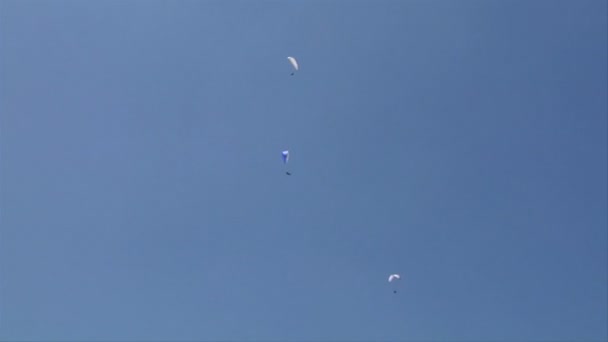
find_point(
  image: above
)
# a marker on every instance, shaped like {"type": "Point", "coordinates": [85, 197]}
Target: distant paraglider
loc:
{"type": "Point", "coordinates": [285, 156]}
{"type": "Point", "coordinates": [393, 278]}
{"type": "Point", "coordinates": [294, 64]}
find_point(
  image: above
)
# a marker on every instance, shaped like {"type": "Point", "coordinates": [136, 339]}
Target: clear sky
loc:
{"type": "Point", "coordinates": [461, 144]}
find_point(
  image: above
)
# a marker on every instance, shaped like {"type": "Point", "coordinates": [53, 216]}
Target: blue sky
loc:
{"type": "Point", "coordinates": [461, 144]}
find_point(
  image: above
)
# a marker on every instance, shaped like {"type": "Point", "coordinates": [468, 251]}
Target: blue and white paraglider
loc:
{"type": "Point", "coordinates": [294, 64]}
{"type": "Point", "coordinates": [393, 278]}
{"type": "Point", "coordinates": [285, 156]}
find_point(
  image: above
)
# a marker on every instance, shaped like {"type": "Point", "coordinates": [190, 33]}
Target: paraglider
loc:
{"type": "Point", "coordinates": [285, 156]}
{"type": "Point", "coordinates": [392, 279]}
{"type": "Point", "coordinates": [294, 64]}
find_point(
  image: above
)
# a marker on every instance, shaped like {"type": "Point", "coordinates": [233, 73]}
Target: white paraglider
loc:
{"type": "Point", "coordinates": [285, 156]}
{"type": "Point", "coordinates": [294, 64]}
{"type": "Point", "coordinates": [393, 279]}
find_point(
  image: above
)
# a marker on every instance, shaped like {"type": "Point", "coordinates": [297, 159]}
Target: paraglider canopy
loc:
{"type": "Point", "coordinates": [393, 277]}
{"type": "Point", "coordinates": [285, 156]}
{"type": "Point", "coordinates": [294, 64]}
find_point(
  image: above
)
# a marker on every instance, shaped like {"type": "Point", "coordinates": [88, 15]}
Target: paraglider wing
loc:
{"type": "Point", "coordinates": [294, 63]}
{"type": "Point", "coordinates": [285, 155]}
